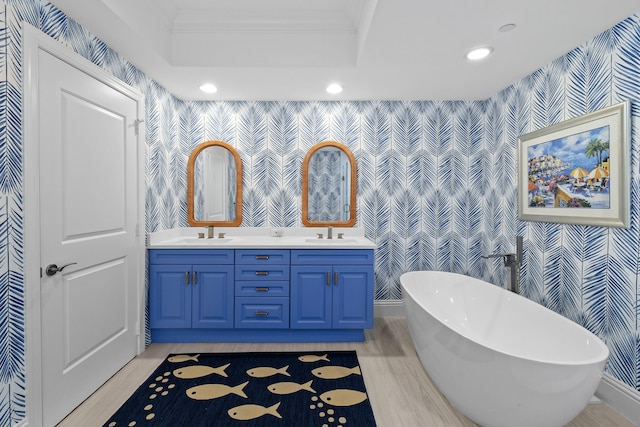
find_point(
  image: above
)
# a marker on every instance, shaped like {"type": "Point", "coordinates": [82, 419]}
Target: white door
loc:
{"type": "Point", "coordinates": [88, 186]}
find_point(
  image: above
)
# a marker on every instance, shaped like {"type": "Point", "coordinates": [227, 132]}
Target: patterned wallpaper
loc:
{"type": "Point", "coordinates": [436, 180]}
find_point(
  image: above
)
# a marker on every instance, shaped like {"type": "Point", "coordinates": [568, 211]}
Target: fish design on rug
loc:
{"type": "Point", "coordinates": [199, 371]}
{"type": "Point", "coordinates": [265, 371]}
{"type": "Point", "coordinates": [343, 397]}
{"type": "Point", "coordinates": [183, 358]}
{"type": "Point", "coordinates": [335, 372]}
{"type": "Point", "coordinates": [214, 391]}
{"type": "Point", "coordinates": [290, 387]}
{"type": "Point", "coordinates": [251, 412]}
{"type": "Point", "coordinates": [310, 358]}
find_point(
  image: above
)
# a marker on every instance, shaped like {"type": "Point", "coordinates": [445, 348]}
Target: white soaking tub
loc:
{"type": "Point", "coordinates": [499, 358]}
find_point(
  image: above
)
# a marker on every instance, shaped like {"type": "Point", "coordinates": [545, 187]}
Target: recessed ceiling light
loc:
{"type": "Point", "coordinates": [334, 88]}
{"type": "Point", "coordinates": [208, 88]}
{"type": "Point", "coordinates": [478, 53]}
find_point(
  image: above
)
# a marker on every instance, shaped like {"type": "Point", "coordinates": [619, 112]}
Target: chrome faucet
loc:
{"type": "Point", "coordinates": [512, 261]}
{"type": "Point", "coordinates": [330, 232]}
{"type": "Point", "coordinates": [210, 232]}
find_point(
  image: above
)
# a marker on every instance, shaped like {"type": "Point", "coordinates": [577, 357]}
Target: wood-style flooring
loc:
{"type": "Point", "coordinates": [400, 391]}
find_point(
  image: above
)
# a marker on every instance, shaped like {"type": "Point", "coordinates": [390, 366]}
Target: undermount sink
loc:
{"type": "Point", "coordinates": [330, 241]}
{"type": "Point", "coordinates": [246, 237]}
{"type": "Point", "coordinates": [199, 241]}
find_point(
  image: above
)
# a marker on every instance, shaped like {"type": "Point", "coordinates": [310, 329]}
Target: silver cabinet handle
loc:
{"type": "Point", "coordinates": [52, 269]}
{"type": "Point", "coordinates": [262, 313]}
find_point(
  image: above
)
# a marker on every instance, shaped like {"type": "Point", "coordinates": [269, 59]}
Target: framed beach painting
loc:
{"type": "Point", "coordinates": [577, 171]}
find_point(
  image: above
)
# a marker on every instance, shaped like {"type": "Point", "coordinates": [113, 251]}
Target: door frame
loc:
{"type": "Point", "coordinates": [35, 40]}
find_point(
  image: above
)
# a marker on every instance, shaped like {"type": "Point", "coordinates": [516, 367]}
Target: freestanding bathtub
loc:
{"type": "Point", "coordinates": [499, 358]}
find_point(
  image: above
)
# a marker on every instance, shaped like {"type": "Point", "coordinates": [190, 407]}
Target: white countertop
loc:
{"type": "Point", "coordinates": [260, 237]}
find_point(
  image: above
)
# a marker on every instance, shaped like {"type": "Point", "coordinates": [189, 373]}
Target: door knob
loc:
{"type": "Point", "coordinates": [53, 269]}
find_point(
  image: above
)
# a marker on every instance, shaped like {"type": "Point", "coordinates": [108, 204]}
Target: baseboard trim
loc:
{"type": "Point", "coordinates": [388, 308]}
{"type": "Point", "coordinates": [620, 397]}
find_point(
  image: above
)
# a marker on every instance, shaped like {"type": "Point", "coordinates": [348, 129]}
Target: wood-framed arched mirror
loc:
{"type": "Point", "coordinates": [329, 186]}
{"type": "Point", "coordinates": [214, 185]}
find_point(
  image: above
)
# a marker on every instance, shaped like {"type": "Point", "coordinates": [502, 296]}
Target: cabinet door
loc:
{"type": "Point", "coordinates": [310, 297]}
{"type": "Point", "coordinates": [170, 296]}
{"type": "Point", "coordinates": [212, 296]}
{"type": "Point", "coordinates": [352, 297]}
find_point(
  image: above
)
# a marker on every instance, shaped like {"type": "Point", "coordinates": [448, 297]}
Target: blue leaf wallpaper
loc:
{"type": "Point", "coordinates": [436, 180]}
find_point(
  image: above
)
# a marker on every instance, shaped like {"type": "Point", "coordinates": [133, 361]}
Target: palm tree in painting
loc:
{"type": "Point", "coordinates": [595, 149]}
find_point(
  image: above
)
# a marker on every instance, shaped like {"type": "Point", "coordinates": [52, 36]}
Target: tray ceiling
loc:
{"type": "Point", "coordinates": [377, 49]}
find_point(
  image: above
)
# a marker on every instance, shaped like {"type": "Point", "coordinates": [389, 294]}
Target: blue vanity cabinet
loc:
{"type": "Point", "coordinates": [262, 289]}
{"type": "Point", "coordinates": [260, 295]}
{"type": "Point", "coordinates": [190, 289]}
{"type": "Point", "coordinates": [332, 289]}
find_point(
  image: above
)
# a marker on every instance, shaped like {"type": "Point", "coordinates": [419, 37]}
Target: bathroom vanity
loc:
{"type": "Point", "coordinates": [243, 284]}
{"type": "Point", "coordinates": [250, 286]}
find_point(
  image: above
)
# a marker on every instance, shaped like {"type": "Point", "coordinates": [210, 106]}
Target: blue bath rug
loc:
{"type": "Point", "coordinates": [302, 389]}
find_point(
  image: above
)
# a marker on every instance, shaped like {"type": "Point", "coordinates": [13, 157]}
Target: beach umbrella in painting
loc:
{"type": "Point", "coordinates": [579, 173]}
{"type": "Point", "coordinates": [598, 173]}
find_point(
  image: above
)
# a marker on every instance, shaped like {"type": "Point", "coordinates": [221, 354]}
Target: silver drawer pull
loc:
{"type": "Point", "coordinates": [262, 313]}
{"type": "Point", "coordinates": [262, 273]}
{"type": "Point", "coordinates": [262, 256]}
{"type": "Point", "coordinates": [262, 289]}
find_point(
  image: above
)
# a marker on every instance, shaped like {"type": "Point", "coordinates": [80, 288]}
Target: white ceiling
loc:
{"type": "Point", "coordinates": [377, 49]}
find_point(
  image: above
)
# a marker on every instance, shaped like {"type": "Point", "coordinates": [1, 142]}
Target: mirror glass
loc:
{"type": "Point", "coordinates": [214, 185]}
{"type": "Point", "coordinates": [329, 186]}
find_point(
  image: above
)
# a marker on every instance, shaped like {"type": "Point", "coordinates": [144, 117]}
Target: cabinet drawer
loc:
{"type": "Point", "coordinates": [258, 313]}
{"type": "Point", "coordinates": [252, 288]}
{"type": "Point", "coordinates": [191, 256]}
{"type": "Point", "coordinates": [331, 256]}
{"type": "Point", "coordinates": [262, 272]}
{"type": "Point", "coordinates": [262, 256]}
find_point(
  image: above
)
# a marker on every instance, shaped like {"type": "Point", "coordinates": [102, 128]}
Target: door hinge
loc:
{"type": "Point", "coordinates": [136, 125]}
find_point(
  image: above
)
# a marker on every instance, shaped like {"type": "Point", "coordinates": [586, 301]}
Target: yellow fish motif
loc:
{"type": "Point", "coordinates": [250, 412]}
{"type": "Point", "coordinates": [265, 371]}
{"type": "Point", "coordinates": [290, 387]}
{"type": "Point", "coordinates": [214, 391]}
{"type": "Point", "coordinates": [309, 358]}
{"type": "Point", "coordinates": [335, 372]}
{"type": "Point", "coordinates": [183, 358]}
{"type": "Point", "coordinates": [199, 371]}
{"type": "Point", "coordinates": [343, 397]}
